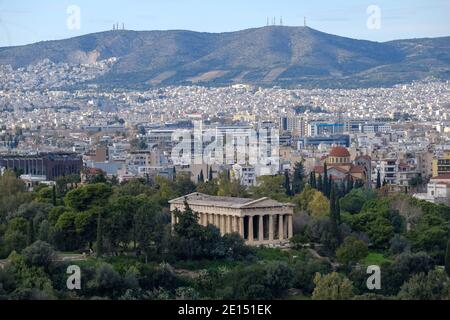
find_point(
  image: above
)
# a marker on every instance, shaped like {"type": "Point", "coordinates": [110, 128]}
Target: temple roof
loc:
{"type": "Point", "coordinates": [197, 198]}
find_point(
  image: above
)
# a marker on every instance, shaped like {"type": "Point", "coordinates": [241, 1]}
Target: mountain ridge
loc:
{"type": "Point", "coordinates": [273, 55]}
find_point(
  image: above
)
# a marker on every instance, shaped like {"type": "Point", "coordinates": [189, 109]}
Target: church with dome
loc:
{"type": "Point", "coordinates": [341, 168]}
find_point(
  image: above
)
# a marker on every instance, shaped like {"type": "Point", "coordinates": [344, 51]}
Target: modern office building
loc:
{"type": "Point", "coordinates": [51, 165]}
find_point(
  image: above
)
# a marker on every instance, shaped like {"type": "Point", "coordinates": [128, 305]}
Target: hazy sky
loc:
{"type": "Point", "coordinates": [27, 21]}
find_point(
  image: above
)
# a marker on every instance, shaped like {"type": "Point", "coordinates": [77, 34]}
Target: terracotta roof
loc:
{"type": "Point", "coordinates": [340, 152]}
{"type": "Point", "coordinates": [89, 170]}
{"type": "Point", "coordinates": [357, 169]}
{"type": "Point", "coordinates": [444, 176]}
{"type": "Point", "coordinates": [318, 169]}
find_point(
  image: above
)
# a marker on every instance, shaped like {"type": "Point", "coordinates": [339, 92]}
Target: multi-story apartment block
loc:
{"type": "Point", "coordinates": [441, 164]}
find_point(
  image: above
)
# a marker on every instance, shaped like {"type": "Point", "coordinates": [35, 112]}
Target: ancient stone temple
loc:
{"type": "Point", "coordinates": [260, 222]}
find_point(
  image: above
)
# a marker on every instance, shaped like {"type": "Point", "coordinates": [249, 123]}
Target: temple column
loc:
{"type": "Point", "coordinates": [280, 227]}
{"type": "Point", "coordinates": [240, 221]}
{"type": "Point", "coordinates": [230, 224]}
{"type": "Point", "coordinates": [172, 219]}
{"type": "Point", "coordinates": [261, 228]}
{"type": "Point", "coordinates": [290, 227]}
{"type": "Point", "coordinates": [271, 228]}
{"type": "Point", "coordinates": [222, 223]}
{"type": "Point", "coordinates": [250, 229]}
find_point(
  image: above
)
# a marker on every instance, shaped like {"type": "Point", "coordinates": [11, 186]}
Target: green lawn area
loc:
{"type": "Point", "coordinates": [206, 264]}
{"type": "Point", "coordinates": [375, 258]}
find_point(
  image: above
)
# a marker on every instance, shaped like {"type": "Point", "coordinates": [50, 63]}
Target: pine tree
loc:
{"type": "Point", "coordinates": [378, 180]}
{"type": "Point", "coordinates": [311, 179]}
{"type": "Point", "coordinates": [54, 195]}
{"type": "Point", "coordinates": [297, 181]}
{"type": "Point", "coordinates": [287, 183]}
{"type": "Point", "coordinates": [447, 259]}
{"type": "Point", "coordinates": [99, 243]}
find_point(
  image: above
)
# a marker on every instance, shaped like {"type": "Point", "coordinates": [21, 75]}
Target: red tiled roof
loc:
{"type": "Point", "coordinates": [357, 169]}
{"type": "Point", "coordinates": [88, 170]}
{"type": "Point", "coordinates": [444, 176]}
{"type": "Point", "coordinates": [339, 152]}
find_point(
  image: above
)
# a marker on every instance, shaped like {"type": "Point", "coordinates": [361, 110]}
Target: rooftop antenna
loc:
{"type": "Point", "coordinates": [268, 23]}
{"type": "Point", "coordinates": [274, 21]}
{"type": "Point", "coordinates": [281, 21]}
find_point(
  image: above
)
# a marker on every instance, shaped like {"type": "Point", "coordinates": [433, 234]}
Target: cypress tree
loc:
{"type": "Point", "coordinates": [343, 191]}
{"type": "Point", "coordinates": [325, 186]}
{"type": "Point", "coordinates": [378, 179]}
{"type": "Point", "coordinates": [201, 178]}
{"type": "Point", "coordinates": [311, 182]}
{"type": "Point", "coordinates": [54, 195]}
{"type": "Point", "coordinates": [338, 210]}
{"type": "Point", "coordinates": [287, 183]}
{"type": "Point", "coordinates": [350, 184]}
{"type": "Point", "coordinates": [330, 185]}
{"type": "Point", "coordinates": [319, 183]}
{"type": "Point", "coordinates": [333, 214]}
{"type": "Point", "coordinates": [297, 181]}
{"type": "Point", "coordinates": [210, 174]}
{"type": "Point", "coordinates": [314, 180]}
{"type": "Point", "coordinates": [332, 203]}
{"type": "Point", "coordinates": [447, 259]}
{"type": "Point", "coordinates": [99, 243]}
